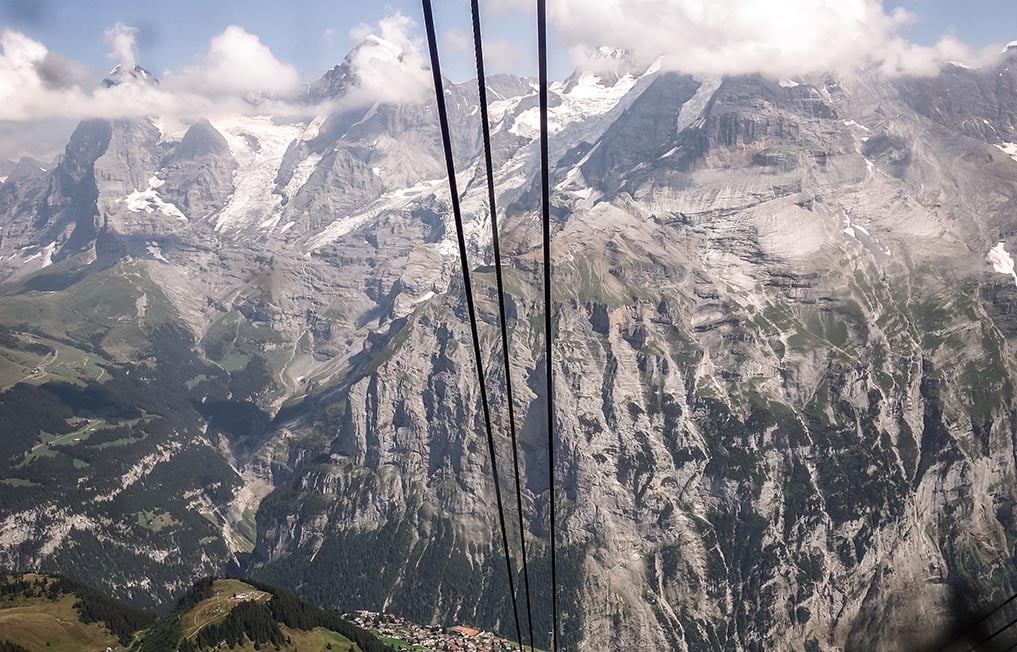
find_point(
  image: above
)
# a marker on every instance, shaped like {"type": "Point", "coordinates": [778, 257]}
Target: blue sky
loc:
{"type": "Point", "coordinates": [977, 22]}
{"type": "Point", "coordinates": [173, 33]}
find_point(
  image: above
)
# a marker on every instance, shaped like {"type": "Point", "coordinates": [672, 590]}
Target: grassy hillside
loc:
{"type": "Point", "coordinates": [41, 612]}
{"type": "Point", "coordinates": [40, 623]}
{"type": "Point", "coordinates": [214, 609]}
{"type": "Point", "coordinates": [53, 614]}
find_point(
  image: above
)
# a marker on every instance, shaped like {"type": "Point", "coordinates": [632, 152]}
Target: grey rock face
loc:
{"type": "Point", "coordinates": [330, 85]}
{"type": "Point", "coordinates": [748, 401]}
{"type": "Point", "coordinates": [975, 102]}
{"type": "Point", "coordinates": [199, 172]}
{"type": "Point", "coordinates": [57, 208]}
{"type": "Point", "coordinates": [506, 87]}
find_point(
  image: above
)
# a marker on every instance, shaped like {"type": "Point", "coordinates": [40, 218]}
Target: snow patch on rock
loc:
{"type": "Point", "coordinates": [299, 177]}
{"type": "Point", "coordinates": [589, 97]}
{"type": "Point", "coordinates": [149, 201]}
{"type": "Point", "coordinates": [171, 130]}
{"type": "Point", "coordinates": [1002, 261]}
{"type": "Point", "coordinates": [155, 251]}
{"type": "Point", "coordinates": [390, 201]}
{"type": "Point", "coordinates": [692, 111]}
{"type": "Point", "coordinates": [1010, 149]}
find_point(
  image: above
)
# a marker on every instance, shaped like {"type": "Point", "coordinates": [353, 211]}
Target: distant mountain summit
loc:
{"type": "Point", "coordinates": [331, 84]}
{"type": "Point", "coordinates": [135, 74]}
{"type": "Point", "coordinates": [340, 78]}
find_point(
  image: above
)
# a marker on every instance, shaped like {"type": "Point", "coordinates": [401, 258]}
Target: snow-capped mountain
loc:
{"type": "Point", "coordinates": [121, 74]}
{"type": "Point", "coordinates": [784, 313]}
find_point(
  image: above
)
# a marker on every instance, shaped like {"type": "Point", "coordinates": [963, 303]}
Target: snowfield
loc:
{"type": "Point", "coordinates": [149, 201]}
{"type": "Point", "coordinates": [1001, 261]}
{"type": "Point", "coordinates": [258, 145]}
{"type": "Point", "coordinates": [589, 97]}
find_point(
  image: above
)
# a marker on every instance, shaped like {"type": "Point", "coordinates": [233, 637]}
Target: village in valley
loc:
{"type": "Point", "coordinates": [402, 634]}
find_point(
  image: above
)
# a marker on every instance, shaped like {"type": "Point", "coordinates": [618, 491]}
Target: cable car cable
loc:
{"type": "Point", "coordinates": [993, 635]}
{"type": "Point", "coordinates": [981, 620]}
{"type": "Point", "coordinates": [439, 93]}
{"type": "Point", "coordinates": [489, 167]}
{"type": "Point", "coordinates": [545, 196]}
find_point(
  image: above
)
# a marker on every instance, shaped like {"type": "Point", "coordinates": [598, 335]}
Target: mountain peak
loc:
{"type": "Point", "coordinates": [374, 39]}
{"type": "Point", "coordinates": [335, 81]}
{"type": "Point", "coordinates": [123, 75]}
{"type": "Point", "coordinates": [331, 84]}
{"type": "Point", "coordinates": [604, 52]}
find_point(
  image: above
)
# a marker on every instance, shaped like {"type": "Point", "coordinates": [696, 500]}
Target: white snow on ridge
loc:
{"type": "Point", "coordinates": [155, 251]}
{"type": "Point", "coordinates": [497, 109]}
{"type": "Point", "coordinates": [300, 175]}
{"type": "Point", "coordinates": [171, 130]}
{"type": "Point", "coordinates": [852, 123]}
{"type": "Point", "coordinates": [587, 98]}
{"type": "Point", "coordinates": [47, 254]}
{"type": "Point", "coordinates": [1001, 260]}
{"type": "Point", "coordinates": [692, 111]}
{"type": "Point", "coordinates": [390, 201]}
{"type": "Point", "coordinates": [1010, 149]}
{"type": "Point", "coordinates": [149, 201]}
{"type": "Point", "coordinates": [258, 145]}
{"type": "Point", "coordinates": [313, 129]}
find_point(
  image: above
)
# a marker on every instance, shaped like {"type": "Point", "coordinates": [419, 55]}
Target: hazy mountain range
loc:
{"type": "Point", "coordinates": [784, 384]}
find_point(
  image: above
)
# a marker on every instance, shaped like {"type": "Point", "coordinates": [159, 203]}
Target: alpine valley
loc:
{"type": "Point", "coordinates": [784, 384]}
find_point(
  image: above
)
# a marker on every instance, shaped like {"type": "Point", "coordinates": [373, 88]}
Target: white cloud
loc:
{"type": "Point", "coordinates": [238, 74]}
{"type": "Point", "coordinates": [123, 43]}
{"type": "Point", "coordinates": [773, 37]}
{"type": "Point", "coordinates": [237, 64]}
{"type": "Point", "coordinates": [20, 81]}
{"type": "Point", "coordinates": [39, 85]}
{"type": "Point", "coordinates": [388, 63]}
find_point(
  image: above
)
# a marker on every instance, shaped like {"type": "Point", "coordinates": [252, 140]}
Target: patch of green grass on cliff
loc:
{"type": "Point", "coordinates": [41, 624]}
{"type": "Point", "coordinates": [931, 316]}
{"type": "Point", "coordinates": [985, 379]}
{"type": "Point", "coordinates": [218, 606]}
{"type": "Point", "coordinates": [387, 353]}
{"type": "Point", "coordinates": [156, 520]}
{"type": "Point", "coordinates": [112, 308]}
{"type": "Point", "coordinates": [515, 281]}
{"type": "Point", "coordinates": [584, 280]}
